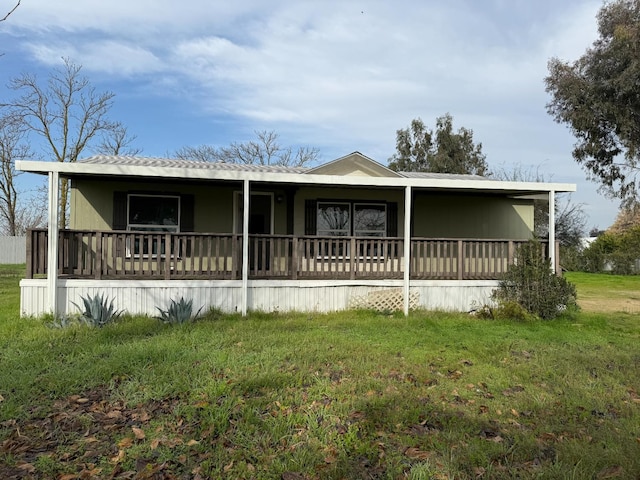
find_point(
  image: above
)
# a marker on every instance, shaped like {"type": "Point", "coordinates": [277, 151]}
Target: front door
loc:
{"type": "Point", "coordinates": [260, 223]}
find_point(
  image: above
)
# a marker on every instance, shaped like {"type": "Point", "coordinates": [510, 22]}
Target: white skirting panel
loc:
{"type": "Point", "coordinates": [143, 296]}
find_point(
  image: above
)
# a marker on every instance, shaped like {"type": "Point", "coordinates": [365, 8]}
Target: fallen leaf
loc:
{"type": "Point", "coordinates": [126, 442]}
{"type": "Point", "coordinates": [138, 432]}
{"type": "Point", "coordinates": [228, 467]}
{"type": "Point", "coordinates": [417, 454]}
{"type": "Point", "coordinates": [118, 458]}
{"type": "Point", "coordinates": [155, 443]}
{"type": "Point", "coordinates": [611, 472]}
{"type": "Point", "coordinates": [192, 442]}
{"type": "Point", "coordinates": [27, 467]}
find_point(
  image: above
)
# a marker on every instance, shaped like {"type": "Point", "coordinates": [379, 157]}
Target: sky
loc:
{"type": "Point", "coordinates": [338, 75]}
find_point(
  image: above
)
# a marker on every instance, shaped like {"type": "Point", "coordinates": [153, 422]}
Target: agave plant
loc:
{"type": "Point", "coordinates": [98, 310]}
{"type": "Point", "coordinates": [178, 312]}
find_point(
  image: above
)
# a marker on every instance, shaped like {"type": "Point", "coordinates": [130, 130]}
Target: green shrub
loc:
{"type": "Point", "coordinates": [531, 284]}
{"type": "Point", "coordinates": [178, 312]}
{"type": "Point", "coordinates": [98, 311]}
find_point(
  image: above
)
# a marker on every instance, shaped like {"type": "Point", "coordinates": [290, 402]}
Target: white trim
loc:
{"type": "Point", "coordinates": [246, 195]}
{"type": "Point", "coordinates": [106, 284]}
{"type": "Point", "coordinates": [52, 243]}
{"type": "Point", "coordinates": [293, 178]}
{"type": "Point", "coordinates": [552, 230]}
{"type": "Point", "coordinates": [407, 248]}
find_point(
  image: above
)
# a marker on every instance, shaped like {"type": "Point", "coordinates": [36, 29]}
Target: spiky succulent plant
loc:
{"type": "Point", "coordinates": [178, 312]}
{"type": "Point", "coordinates": [98, 310]}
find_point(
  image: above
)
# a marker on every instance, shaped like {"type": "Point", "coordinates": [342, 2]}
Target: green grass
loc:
{"type": "Point", "coordinates": [348, 395]}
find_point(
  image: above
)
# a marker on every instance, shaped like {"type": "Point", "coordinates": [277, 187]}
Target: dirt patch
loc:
{"type": "Point", "coordinates": [610, 305]}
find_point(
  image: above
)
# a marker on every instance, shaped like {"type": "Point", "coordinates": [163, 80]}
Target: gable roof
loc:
{"type": "Point", "coordinates": [354, 164]}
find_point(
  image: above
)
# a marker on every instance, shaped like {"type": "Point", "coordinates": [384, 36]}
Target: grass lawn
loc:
{"type": "Point", "coordinates": [304, 396]}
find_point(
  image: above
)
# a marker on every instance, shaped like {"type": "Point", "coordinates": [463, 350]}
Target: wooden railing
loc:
{"type": "Point", "coordinates": [123, 254]}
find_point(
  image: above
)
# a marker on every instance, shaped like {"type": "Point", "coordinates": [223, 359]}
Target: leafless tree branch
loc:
{"type": "Point", "coordinates": [10, 11]}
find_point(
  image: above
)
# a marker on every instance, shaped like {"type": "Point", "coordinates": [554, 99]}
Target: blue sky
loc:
{"type": "Point", "coordinates": [339, 75]}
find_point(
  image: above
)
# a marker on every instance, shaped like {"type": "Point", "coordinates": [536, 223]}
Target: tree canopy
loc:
{"type": "Point", "coordinates": [598, 98]}
{"type": "Point", "coordinates": [419, 149]}
{"type": "Point", "coordinates": [264, 150]}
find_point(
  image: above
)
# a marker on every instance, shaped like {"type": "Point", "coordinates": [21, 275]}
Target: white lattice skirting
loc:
{"type": "Point", "coordinates": [385, 300]}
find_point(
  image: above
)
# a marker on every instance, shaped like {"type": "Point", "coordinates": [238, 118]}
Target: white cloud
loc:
{"type": "Point", "coordinates": [342, 75]}
{"type": "Point", "coordinates": [110, 57]}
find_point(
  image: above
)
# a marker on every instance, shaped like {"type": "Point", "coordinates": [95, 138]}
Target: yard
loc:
{"type": "Point", "coordinates": [305, 396]}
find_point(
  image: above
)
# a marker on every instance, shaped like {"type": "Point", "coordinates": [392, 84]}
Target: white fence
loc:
{"type": "Point", "coordinates": [13, 250]}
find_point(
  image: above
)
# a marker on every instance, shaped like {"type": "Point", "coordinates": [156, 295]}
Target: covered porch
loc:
{"type": "Point", "coordinates": [145, 231]}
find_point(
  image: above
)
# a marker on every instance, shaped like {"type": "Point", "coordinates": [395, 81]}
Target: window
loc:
{"type": "Point", "coordinates": [334, 219]}
{"type": "Point", "coordinates": [343, 219]}
{"type": "Point", "coordinates": [151, 213]}
{"type": "Point", "coordinates": [369, 220]}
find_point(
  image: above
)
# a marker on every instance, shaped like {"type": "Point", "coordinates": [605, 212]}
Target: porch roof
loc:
{"type": "Point", "coordinates": [137, 167]}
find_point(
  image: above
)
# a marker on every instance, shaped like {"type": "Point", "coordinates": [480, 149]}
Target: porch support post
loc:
{"type": "Point", "coordinates": [552, 229]}
{"type": "Point", "coordinates": [52, 243]}
{"type": "Point", "coordinates": [407, 247]}
{"type": "Point", "coordinates": [246, 196]}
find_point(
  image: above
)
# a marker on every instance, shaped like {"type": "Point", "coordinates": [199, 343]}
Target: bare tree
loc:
{"type": "Point", "coordinates": [118, 141]}
{"type": "Point", "coordinates": [16, 213]}
{"type": "Point", "coordinates": [10, 11]}
{"type": "Point", "coordinates": [264, 150]}
{"type": "Point", "coordinates": [67, 112]}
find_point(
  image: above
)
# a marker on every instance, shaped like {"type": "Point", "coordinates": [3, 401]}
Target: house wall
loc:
{"type": "Point", "coordinates": [92, 204]}
{"type": "Point", "coordinates": [471, 216]}
{"type": "Point", "coordinates": [435, 215]}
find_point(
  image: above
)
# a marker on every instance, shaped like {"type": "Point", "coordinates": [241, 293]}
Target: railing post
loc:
{"type": "Point", "coordinates": [294, 258]}
{"type": "Point", "coordinates": [168, 251]}
{"type": "Point", "coordinates": [511, 253]}
{"type": "Point", "coordinates": [352, 258]}
{"type": "Point", "coordinates": [460, 259]}
{"type": "Point", "coordinates": [97, 264]}
{"type": "Point", "coordinates": [29, 253]}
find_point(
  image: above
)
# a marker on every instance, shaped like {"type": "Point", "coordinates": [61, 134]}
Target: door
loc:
{"type": "Point", "coordinates": [260, 223]}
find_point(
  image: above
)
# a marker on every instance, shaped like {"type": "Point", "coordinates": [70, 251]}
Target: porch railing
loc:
{"type": "Point", "coordinates": [145, 255]}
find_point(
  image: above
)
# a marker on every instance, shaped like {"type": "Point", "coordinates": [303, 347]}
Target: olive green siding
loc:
{"type": "Point", "coordinates": [470, 216]}
{"type": "Point", "coordinates": [434, 215]}
{"type": "Point", "coordinates": [92, 204]}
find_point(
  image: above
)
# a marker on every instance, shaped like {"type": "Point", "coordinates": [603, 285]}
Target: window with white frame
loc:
{"type": "Point", "coordinates": [343, 219]}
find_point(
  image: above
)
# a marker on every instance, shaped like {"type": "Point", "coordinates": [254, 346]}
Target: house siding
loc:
{"type": "Point", "coordinates": [142, 297]}
{"type": "Point", "coordinates": [471, 216]}
{"type": "Point", "coordinates": [92, 204]}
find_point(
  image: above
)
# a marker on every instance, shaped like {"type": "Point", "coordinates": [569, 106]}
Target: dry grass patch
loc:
{"type": "Point", "coordinates": [604, 293]}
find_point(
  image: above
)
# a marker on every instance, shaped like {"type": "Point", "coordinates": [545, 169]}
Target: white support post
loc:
{"type": "Point", "coordinates": [52, 243]}
{"type": "Point", "coordinates": [407, 247]}
{"type": "Point", "coordinates": [246, 196]}
{"type": "Point", "coordinates": [552, 230]}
